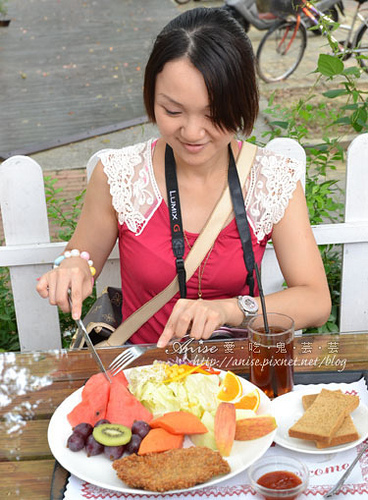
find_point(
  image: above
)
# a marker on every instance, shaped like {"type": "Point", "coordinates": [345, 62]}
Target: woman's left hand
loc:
{"type": "Point", "coordinates": [199, 317]}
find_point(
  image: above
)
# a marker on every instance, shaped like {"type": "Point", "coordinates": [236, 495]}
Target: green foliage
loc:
{"type": "Point", "coordinates": [61, 212]}
{"type": "Point", "coordinates": [331, 256]}
{"type": "Point", "coordinates": [3, 7]}
{"type": "Point", "coordinates": [355, 110]}
{"type": "Point", "coordinates": [8, 328]}
{"type": "Point", "coordinates": [329, 65]}
{"type": "Point", "coordinates": [322, 193]}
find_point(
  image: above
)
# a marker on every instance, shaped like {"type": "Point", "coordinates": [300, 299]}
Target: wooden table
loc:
{"type": "Point", "coordinates": [34, 384]}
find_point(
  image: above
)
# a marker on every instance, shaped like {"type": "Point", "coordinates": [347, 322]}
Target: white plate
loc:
{"type": "Point", "coordinates": [98, 470]}
{"type": "Point", "coordinates": [288, 408]}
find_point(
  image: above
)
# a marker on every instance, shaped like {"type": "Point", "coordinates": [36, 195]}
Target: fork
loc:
{"type": "Point", "coordinates": [124, 359]}
{"type": "Point", "coordinates": [343, 478]}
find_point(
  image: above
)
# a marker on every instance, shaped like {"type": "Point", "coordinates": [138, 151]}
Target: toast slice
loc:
{"type": "Point", "coordinates": [324, 416]}
{"type": "Point", "coordinates": [346, 433]}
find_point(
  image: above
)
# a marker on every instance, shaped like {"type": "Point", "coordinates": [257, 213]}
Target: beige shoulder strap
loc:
{"type": "Point", "coordinates": [203, 243]}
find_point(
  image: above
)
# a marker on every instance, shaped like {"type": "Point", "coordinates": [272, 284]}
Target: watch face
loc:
{"type": "Point", "coordinates": [249, 305]}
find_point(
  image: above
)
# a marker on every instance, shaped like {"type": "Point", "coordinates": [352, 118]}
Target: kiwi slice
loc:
{"type": "Point", "coordinates": [112, 434]}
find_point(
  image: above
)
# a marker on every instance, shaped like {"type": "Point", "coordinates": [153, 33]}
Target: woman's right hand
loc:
{"type": "Point", "coordinates": [97, 230]}
{"type": "Point", "coordinates": [73, 274]}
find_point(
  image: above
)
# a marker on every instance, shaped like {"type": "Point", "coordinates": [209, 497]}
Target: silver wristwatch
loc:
{"type": "Point", "coordinates": [248, 306]}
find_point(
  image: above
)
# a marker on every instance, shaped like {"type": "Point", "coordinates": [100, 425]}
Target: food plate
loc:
{"type": "Point", "coordinates": [98, 470]}
{"type": "Point", "coordinates": [288, 408]}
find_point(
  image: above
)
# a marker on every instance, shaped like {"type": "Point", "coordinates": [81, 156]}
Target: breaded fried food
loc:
{"type": "Point", "coordinates": [171, 470]}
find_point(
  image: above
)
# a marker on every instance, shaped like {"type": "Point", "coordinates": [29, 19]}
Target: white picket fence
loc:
{"type": "Point", "coordinates": [28, 251]}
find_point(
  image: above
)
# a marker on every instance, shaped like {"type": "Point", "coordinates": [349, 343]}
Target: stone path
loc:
{"type": "Point", "coordinates": [71, 69]}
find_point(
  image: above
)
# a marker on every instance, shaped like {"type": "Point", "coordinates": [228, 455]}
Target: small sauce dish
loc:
{"type": "Point", "coordinates": [278, 477]}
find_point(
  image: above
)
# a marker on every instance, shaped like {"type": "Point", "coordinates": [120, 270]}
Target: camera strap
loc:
{"type": "Point", "coordinates": [242, 223]}
{"type": "Point", "coordinates": [177, 232]}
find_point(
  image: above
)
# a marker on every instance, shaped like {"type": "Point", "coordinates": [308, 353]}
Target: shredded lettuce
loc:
{"type": "Point", "coordinates": [202, 391]}
{"type": "Point", "coordinates": [195, 393]}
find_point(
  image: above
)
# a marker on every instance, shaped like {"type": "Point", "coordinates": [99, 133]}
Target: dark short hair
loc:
{"type": "Point", "coordinates": [219, 48]}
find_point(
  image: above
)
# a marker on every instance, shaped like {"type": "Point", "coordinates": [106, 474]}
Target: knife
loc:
{"type": "Point", "coordinates": [335, 489]}
{"type": "Point", "coordinates": [89, 343]}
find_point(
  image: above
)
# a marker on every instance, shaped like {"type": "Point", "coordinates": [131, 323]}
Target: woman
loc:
{"type": "Point", "coordinates": [200, 89]}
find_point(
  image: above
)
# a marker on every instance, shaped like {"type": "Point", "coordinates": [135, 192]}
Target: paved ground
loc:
{"type": "Point", "coordinates": [86, 78]}
{"type": "Point", "coordinates": [73, 68]}
{"type": "Point", "coordinates": [74, 71]}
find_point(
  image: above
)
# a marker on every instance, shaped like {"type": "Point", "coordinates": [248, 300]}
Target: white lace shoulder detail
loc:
{"type": "Point", "coordinates": [272, 182]}
{"type": "Point", "coordinates": [135, 195]}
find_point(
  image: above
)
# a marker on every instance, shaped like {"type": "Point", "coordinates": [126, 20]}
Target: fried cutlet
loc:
{"type": "Point", "coordinates": [171, 470]}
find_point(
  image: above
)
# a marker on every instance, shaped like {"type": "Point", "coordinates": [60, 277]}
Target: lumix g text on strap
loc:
{"type": "Point", "coordinates": [177, 232]}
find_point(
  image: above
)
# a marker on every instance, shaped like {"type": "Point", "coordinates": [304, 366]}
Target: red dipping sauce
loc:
{"type": "Point", "coordinates": [279, 480]}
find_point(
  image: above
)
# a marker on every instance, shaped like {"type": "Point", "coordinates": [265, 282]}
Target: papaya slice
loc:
{"type": "Point", "coordinates": [159, 440]}
{"type": "Point", "coordinates": [179, 422]}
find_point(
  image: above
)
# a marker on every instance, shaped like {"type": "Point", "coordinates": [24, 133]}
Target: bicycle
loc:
{"type": "Point", "coordinates": [282, 48]}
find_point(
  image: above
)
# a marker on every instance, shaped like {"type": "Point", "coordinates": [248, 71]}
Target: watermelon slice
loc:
{"type": "Point", "coordinates": [95, 396]}
{"type": "Point", "coordinates": [100, 399]}
{"type": "Point", "coordinates": [120, 377]}
{"type": "Point", "coordinates": [123, 408]}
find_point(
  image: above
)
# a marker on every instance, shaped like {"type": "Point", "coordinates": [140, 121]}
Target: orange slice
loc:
{"type": "Point", "coordinates": [249, 401]}
{"type": "Point", "coordinates": [231, 388]}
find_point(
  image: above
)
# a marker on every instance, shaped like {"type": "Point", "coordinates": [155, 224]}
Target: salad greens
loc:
{"type": "Point", "coordinates": [195, 393]}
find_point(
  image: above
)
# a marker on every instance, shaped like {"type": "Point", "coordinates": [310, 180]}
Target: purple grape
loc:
{"type": "Point", "coordinates": [133, 445]}
{"type": "Point", "coordinates": [113, 452]}
{"type": "Point", "coordinates": [102, 421]}
{"type": "Point", "coordinates": [83, 429]}
{"type": "Point", "coordinates": [92, 447]}
{"type": "Point", "coordinates": [141, 428]}
{"type": "Point", "coordinates": [75, 442]}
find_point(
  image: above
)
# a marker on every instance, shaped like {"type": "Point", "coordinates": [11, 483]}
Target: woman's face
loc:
{"type": "Point", "coordinates": [182, 114]}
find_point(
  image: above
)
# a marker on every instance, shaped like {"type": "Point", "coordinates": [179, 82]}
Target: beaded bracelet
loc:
{"type": "Point", "coordinates": [75, 253]}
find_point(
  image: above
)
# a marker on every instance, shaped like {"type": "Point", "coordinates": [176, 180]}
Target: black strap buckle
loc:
{"type": "Point", "coordinates": [180, 270]}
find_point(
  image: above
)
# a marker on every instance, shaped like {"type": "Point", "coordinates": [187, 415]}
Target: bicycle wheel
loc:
{"type": "Point", "coordinates": [281, 50]}
{"type": "Point", "coordinates": [361, 47]}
